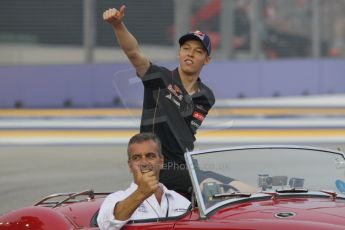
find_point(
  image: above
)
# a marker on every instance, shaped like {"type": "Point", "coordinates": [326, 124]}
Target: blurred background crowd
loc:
{"type": "Point", "coordinates": [240, 29]}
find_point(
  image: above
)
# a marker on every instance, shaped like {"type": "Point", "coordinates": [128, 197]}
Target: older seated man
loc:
{"type": "Point", "coordinates": [146, 197]}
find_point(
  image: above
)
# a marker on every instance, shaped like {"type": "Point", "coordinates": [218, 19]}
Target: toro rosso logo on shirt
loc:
{"type": "Point", "coordinates": [176, 91]}
{"type": "Point", "coordinates": [198, 116]}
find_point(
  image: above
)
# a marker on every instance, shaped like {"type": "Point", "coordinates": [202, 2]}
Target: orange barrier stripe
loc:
{"type": "Point", "coordinates": [68, 112]}
{"type": "Point", "coordinates": [274, 133]}
{"type": "Point", "coordinates": [276, 111]}
{"type": "Point", "coordinates": [66, 133]}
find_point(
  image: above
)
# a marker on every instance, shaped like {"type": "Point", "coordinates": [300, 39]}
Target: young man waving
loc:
{"type": "Point", "coordinates": [175, 102]}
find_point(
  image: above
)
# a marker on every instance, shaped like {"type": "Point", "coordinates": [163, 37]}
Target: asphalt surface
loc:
{"type": "Point", "coordinates": [44, 152]}
{"type": "Point", "coordinates": [29, 173]}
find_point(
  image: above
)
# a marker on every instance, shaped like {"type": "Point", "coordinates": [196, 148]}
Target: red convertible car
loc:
{"type": "Point", "coordinates": [292, 187]}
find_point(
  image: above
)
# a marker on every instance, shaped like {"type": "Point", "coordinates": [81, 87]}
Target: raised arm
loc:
{"type": "Point", "coordinates": [126, 40]}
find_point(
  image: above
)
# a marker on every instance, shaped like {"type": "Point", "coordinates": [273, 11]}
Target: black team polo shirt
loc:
{"type": "Point", "coordinates": [171, 113]}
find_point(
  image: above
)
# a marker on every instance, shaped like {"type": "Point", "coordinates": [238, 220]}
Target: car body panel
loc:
{"type": "Point", "coordinates": [82, 212]}
{"type": "Point", "coordinates": [35, 218]}
{"type": "Point", "coordinates": [310, 213]}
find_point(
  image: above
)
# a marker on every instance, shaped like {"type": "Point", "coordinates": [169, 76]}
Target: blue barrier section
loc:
{"type": "Point", "coordinates": [108, 85]}
{"type": "Point", "coordinates": [59, 85]}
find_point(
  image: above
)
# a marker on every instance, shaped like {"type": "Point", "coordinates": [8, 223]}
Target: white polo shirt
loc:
{"type": "Point", "coordinates": [172, 204]}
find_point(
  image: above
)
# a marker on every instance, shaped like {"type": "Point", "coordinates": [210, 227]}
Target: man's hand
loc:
{"type": "Point", "coordinates": [146, 180]}
{"type": "Point", "coordinates": [114, 16]}
{"type": "Point", "coordinates": [147, 185]}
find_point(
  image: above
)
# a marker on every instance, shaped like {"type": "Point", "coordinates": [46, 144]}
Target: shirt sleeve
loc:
{"type": "Point", "coordinates": [106, 219]}
{"type": "Point", "coordinates": [154, 77]}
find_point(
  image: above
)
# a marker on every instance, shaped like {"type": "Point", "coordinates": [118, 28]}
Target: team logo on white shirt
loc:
{"type": "Point", "coordinates": [142, 208]}
{"type": "Point", "coordinates": [180, 210]}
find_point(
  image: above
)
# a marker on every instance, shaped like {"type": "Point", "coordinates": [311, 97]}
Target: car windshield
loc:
{"type": "Point", "coordinates": [223, 176]}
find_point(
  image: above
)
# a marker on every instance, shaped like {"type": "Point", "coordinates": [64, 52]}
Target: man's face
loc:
{"type": "Point", "coordinates": [143, 158]}
{"type": "Point", "coordinates": [192, 57]}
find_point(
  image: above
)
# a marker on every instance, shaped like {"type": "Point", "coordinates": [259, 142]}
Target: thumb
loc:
{"type": "Point", "coordinates": [122, 10]}
{"type": "Point", "coordinates": [137, 173]}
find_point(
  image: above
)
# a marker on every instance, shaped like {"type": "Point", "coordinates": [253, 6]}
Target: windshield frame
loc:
{"type": "Point", "coordinates": [198, 193]}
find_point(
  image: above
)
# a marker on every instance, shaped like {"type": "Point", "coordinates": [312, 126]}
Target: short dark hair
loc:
{"type": "Point", "coordinates": [141, 137]}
